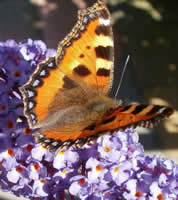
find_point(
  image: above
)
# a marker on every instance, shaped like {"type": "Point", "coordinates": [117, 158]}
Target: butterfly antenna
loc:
{"type": "Point", "coordinates": [122, 75]}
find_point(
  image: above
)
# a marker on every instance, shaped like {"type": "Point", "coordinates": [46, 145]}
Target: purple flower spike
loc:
{"type": "Point", "coordinates": [115, 167]}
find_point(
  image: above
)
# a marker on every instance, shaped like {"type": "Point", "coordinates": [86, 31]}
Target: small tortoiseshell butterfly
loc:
{"type": "Point", "coordinates": [66, 97]}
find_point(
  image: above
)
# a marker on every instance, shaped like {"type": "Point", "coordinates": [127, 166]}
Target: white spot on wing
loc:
{"type": "Point", "coordinates": [30, 93]}
{"type": "Point", "coordinates": [47, 141]}
{"type": "Point", "coordinates": [43, 73]}
{"type": "Point", "coordinates": [55, 143]}
{"type": "Point", "coordinates": [85, 20]}
{"type": "Point", "coordinates": [92, 16]}
{"type": "Point", "coordinates": [41, 136]}
{"type": "Point", "coordinates": [105, 22]}
{"type": "Point", "coordinates": [162, 110]}
{"type": "Point", "coordinates": [76, 35]}
{"type": "Point", "coordinates": [68, 44]}
{"type": "Point", "coordinates": [32, 116]}
{"type": "Point", "coordinates": [30, 105]}
{"type": "Point", "coordinates": [82, 28]}
{"type": "Point", "coordinates": [50, 64]}
{"type": "Point", "coordinates": [34, 121]}
{"type": "Point", "coordinates": [36, 83]}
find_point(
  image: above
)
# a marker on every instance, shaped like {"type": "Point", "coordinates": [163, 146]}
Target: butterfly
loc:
{"type": "Point", "coordinates": [66, 98]}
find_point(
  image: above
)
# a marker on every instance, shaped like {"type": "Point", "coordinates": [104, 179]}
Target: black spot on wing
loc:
{"type": "Point", "coordinates": [102, 30]}
{"type": "Point", "coordinates": [154, 110]}
{"type": "Point", "coordinates": [103, 52]}
{"type": "Point", "coordinates": [167, 111]}
{"type": "Point", "coordinates": [125, 108]}
{"type": "Point", "coordinates": [81, 55]}
{"type": "Point", "coordinates": [139, 108]}
{"type": "Point", "coordinates": [103, 72]}
{"type": "Point", "coordinates": [68, 83]}
{"type": "Point", "coordinates": [104, 14]}
{"type": "Point", "coordinates": [91, 127]}
{"type": "Point", "coordinates": [109, 120]}
{"type": "Point", "coordinates": [82, 70]}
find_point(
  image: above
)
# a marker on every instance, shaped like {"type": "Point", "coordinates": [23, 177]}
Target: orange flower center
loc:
{"type": "Point", "coordinates": [99, 168]}
{"type": "Point", "coordinates": [107, 149]}
{"type": "Point", "coordinates": [19, 169]}
{"type": "Point", "coordinates": [10, 152]}
{"type": "Point", "coordinates": [9, 125]}
{"type": "Point", "coordinates": [138, 194]}
{"type": "Point", "coordinates": [27, 131]}
{"type": "Point", "coordinates": [36, 166]}
{"type": "Point", "coordinates": [81, 181]}
{"type": "Point", "coordinates": [160, 196]}
{"type": "Point", "coordinates": [116, 169]}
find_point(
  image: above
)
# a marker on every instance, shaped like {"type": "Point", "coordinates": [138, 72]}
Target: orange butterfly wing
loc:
{"type": "Point", "coordinates": [86, 54]}
{"type": "Point", "coordinates": [40, 90]}
{"type": "Point", "coordinates": [128, 116]}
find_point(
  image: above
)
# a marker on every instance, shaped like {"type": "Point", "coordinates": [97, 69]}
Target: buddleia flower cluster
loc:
{"type": "Point", "coordinates": [115, 167]}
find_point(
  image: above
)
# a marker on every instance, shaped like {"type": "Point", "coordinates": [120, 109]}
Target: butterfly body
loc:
{"type": "Point", "coordinates": [66, 97]}
{"type": "Point", "coordinates": [80, 109]}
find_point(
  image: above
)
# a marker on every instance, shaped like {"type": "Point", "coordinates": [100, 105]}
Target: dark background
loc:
{"type": "Point", "coordinates": [145, 30]}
